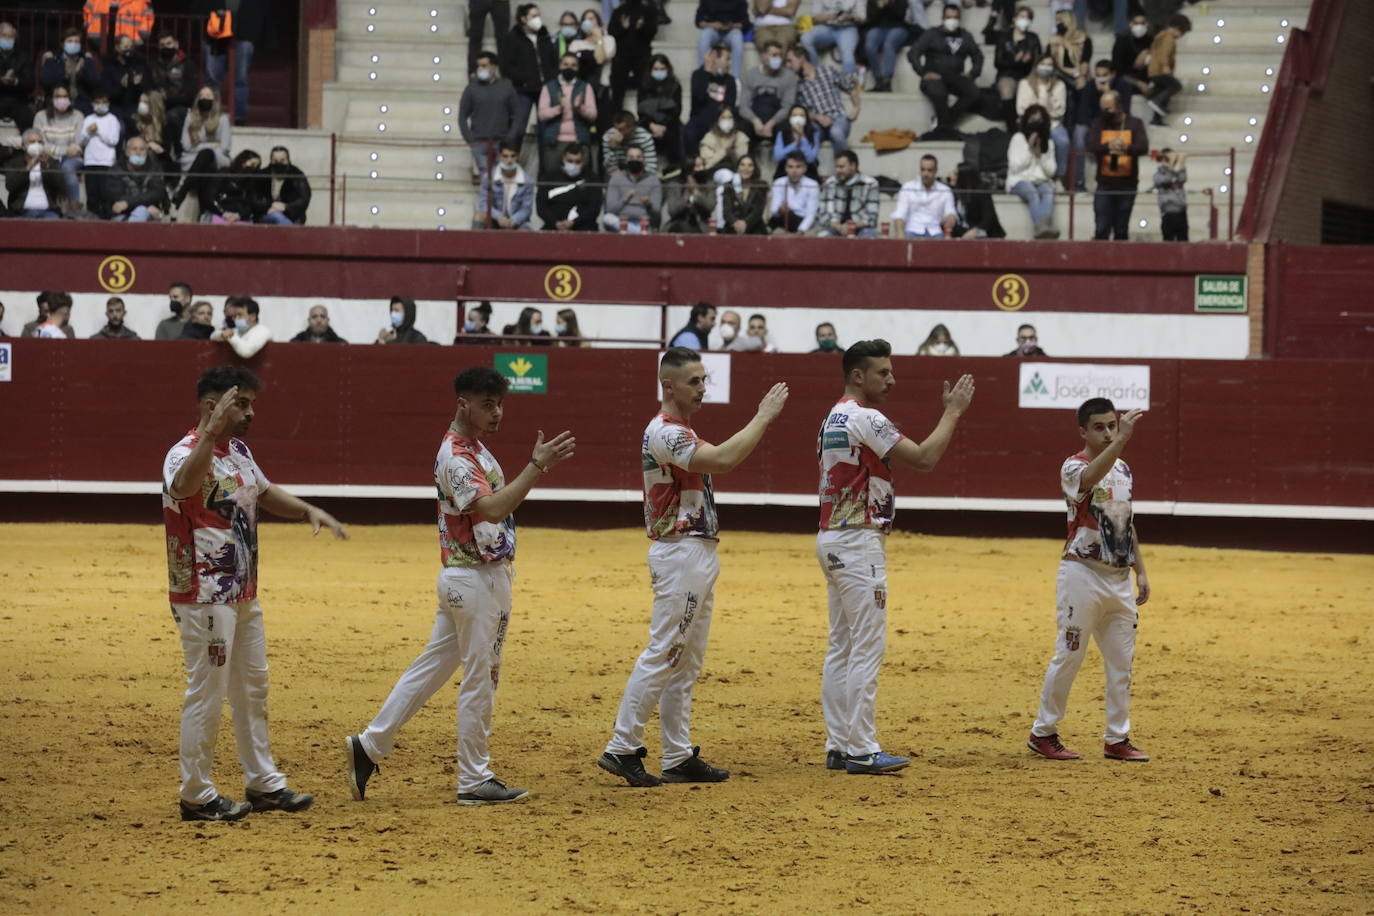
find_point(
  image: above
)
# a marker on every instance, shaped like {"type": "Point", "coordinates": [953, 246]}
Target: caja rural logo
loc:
{"type": "Point", "coordinates": [527, 374]}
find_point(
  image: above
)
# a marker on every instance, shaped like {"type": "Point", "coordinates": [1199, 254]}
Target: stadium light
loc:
{"type": "Point", "coordinates": [372, 10]}
{"type": "Point", "coordinates": [1226, 171]}
{"type": "Point", "coordinates": [1182, 138]}
{"type": "Point", "coordinates": [382, 109]}
{"type": "Point", "coordinates": [1206, 71]}
{"type": "Point", "coordinates": [371, 27]}
{"type": "Point", "coordinates": [441, 211]}
{"type": "Point", "coordinates": [1188, 121]}
{"type": "Point", "coordinates": [372, 174]}
{"type": "Point", "coordinates": [1279, 39]}
{"type": "Point", "coordinates": [1249, 138]}
{"type": "Point", "coordinates": [372, 75]}
{"type": "Point", "coordinates": [439, 158]}
{"type": "Point", "coordinates": [1254, 121]}
{"type": "Point", "coordinates": [434, 28]}
{"type": "Point", "coordinates": [1283, 23]}
{"type": "Point", "coordinates": [373, 157]}
{"type": "Point", "coordinates": [1224, 189]}
{"type": "Point", "coordinates": [376, 209]}
{"type": "Point", "coordinates": [436, 77]}
{"type": "Point", "coordinates": [381, 127]}
{"type": "Point", "coordinates": [1221, 23]}
{"type": "Point", "coordinates": [1144, 224]}
{"type": "Point", "coordinates": [1201, 87]}
{"type": "Point", "coordinates": [448, 110]}
{"type": "Point", "coordinates": [438, 176]}
{"type": "Point", "coordinates": [436, 58]}
{"type": "Point", "coordinates": [1216, 39]}
{"type": "Point", "coordinates": [1264, 88]}
{"type": "Point", "coordinates": [376, 58]}
{"type": "Point", "coordinates": [448, 128]}
{"type": "Point", "coordinates": [1268, 71]}
{"type": "Point", "coordinates": [433, 14]}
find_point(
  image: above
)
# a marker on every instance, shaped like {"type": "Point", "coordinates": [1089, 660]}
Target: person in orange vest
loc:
{"type": "Point", "coordinates": [242, 22]}
{"type": "Point", "coordinates": [132, 17]}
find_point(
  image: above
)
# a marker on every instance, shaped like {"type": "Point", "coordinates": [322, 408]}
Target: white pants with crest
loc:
{"type": "Point", "coordinates": [854, 562]}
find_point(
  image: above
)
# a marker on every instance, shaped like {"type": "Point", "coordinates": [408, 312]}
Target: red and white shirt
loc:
{"type": "Point", "coordinates": [1101, 520]}
{"type": "Point", "coordinates": [677, 503]}
{"type": "Point", "coordinates": [212, 535]}
{"type": "Point", "coordinates": [50, 331]}
{"type": "Point", "coordinates": [464, 472]}
{"type": "Point", "coordinates": [856, 477]}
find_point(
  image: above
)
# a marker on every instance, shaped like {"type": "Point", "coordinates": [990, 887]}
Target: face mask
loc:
{"type": "Point", "coordinates": [102, 108]}
{"type": "Point", "coordinates": [560, 329]}
{"type": "Point", "coordinates": [122, 53]}
{"type": "Point", "coordinates": [534, 23]}
{"type": "Point", "coordinates": [774, 63]}
{"type": "Point", "coordinates": [6, 44]}
{"type": "Point", "coordinates": [720, 71]}
{"type": "Point", "coordinates": [951, 25]}
{"type": "Point", "coordinates": [62, 104]}
{"type": "Point", "coordinates": [1023, 24]}
{"type": "Point", "coordinates": [569, 32]}
{"type": "Point", "coordinates": [205, 104]}
{"type": "Point", "coordinates": [568, 73]}
{"type": "Point", "coordinates": [167, 53]}
{"type": "Point", "coordinates": [72, 47]}
{"type": "Point", "coordinates": [1139, 29]}
{"type": "Point", "coordinates": [588, 25]}
{"type": "Point", "coordinates": [137, 161]}
{"type": "Point", "coordinates": [240, 324]}
{"type": "Point", "coordinates": [536, 327]}
{"type": "Point", "coordinates": [143, 108]}
{"type": "Point", "coordinates": [727, 127]}
{"type": "Point", "coordinates": [1044, 71]}
{"type": "Point", "coordinates": [510, 167]}
{"type": "Point", "coordinates": [175, 306]}
{"type": "Point", "coordinates": [1102, 81]}
{"type": "Point", "coordinates": [635, 166]}
{"type": "Point", "coordinates": [1061, 29]}
{"type": "Point", "coordinates": [797, 122]}
{"type": "Point", "coordinates": [279, 168]}
{"type": "Point", "coordinates": [572, 169]}
{"type": "Point", "coordinates": [397, 319]}
{"type": "Point", "coordinates": [829, 343]}
{"type": "Point", "coordinates": [727, 332]}
{"type": "Point", "coordinates": [34, 150]}
{"type": "Point", "coordinates": [469, 326]}
{"type": "Point", "coordinates": [659, 75]}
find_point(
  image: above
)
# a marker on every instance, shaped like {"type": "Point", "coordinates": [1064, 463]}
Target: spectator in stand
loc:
{"type": "Point", "coordinates": [799, 134]}
{"type": "Point", "coordinates": [206, 142]}
{"type": "Point", "coordinates": [1072, 52]}
{"type": "Point", "coordinates": [755, 339]}
{"type": "Point", "coordinates": [696, 333]}
{"type": "Point", "coordinates": [567, 114]}
{"type": "Point", "coordinates": [835, 24]}
{"type": "Point", "coordinates": [722, 22]}
{"type": "Point", "coordinates": [74, 68]}
{"type": "Point", "coordinates": [317, 329]}
{"type": "Point", "coordinates": [795, 200]}
{"type": "Point", "coordinates": [624, 134]}
{"type": "Point", "coordinates": [99, 140]}
{"type": "Point", "coordinates": [60, 127]}
{"type": "Point", "coordinates": [478, 11]}
{"type": "Point", "coordinates": [136, 190]}
{"type": "Point", "coordinates": [925, 208]}
{"type": "Point", "coordinates": [775, 21]}
{"type": "Point", "coordinates": [3, 335]}
{"type": "Point", "coordinates": [177, 77]}
{"type": "Point", "coordinates": [660, 112]}
{"type": "Point", "coordinates": [488, 112]}
{"type": "Point", "coordinates": [1164, 85]}
{"type": "Point", "coordinates": [819, 89]}
{"type": "Point", "coordinates": [1117, 141]}
{"type": "Point", "coordinates": [769, 91]}
{"type": "Point", "coordinates": [566, 34]}
{"type": "Point", "coordinates": [572, 204]}
{"type": "Point", "coordinates": [509, 194]}
{"type": "Point", "coordinates": [249, 335]}
{"type": "Point", "coordinates": [114, 322]}
{"type": "Point", "coordinates": [973, 205]}
{"type": "Point", "coordinates": [713, 90]}
{"type": "Point", "coordinates": [939, 57]}
{"type": "Point", "coordinates": [31, 329]}
{"type": "Point", "coordinates": [566, 329]}
{"type": "Point", "coordinates": [58, 323]}
{"type": "Point", "coordinates": [1169, 179]}
{"type": "Point", "coordinates": [200, 322]}
{"type": "Point", "coordinates": [938, 343]}
{"type": "Point", "coordinates": [634, 197]}
{"type": "Point", "coordinates": [33, 181]}
{"type": "Point", "coordinates": [124, 77]}
{"type": "Point", "coordinates": [827, 341]}
{"type": "Point", "coordinates": [178, 300]}
{"type": "Point", "coordinates": [729, 330]}
{"type": "Point", "coordinates": [1131, 54]}
{"type": "Point", "coordinates": [528, 61]}
{"type": "Point", "coordinates": [723, 144]}
{"type": "Point", "coordinates": [1027, 343]}
{"type": "Point", "coordinates": [594, 49]}
{"type": "Point", "coordinates": [1017, 51]}
{"type": "Point", "coordinates": [887, 31]}
{"type": "Point", "coordinates": [849, 200]}
{"type": "Point", "coordinates": [1044, 89]}
{"type": "Point", "coordinates": [150, 123]}
{"type": "Point", "coordinates": [250, 23]}
{"type": "Point", "coordinates": [689, 201]}
{"type": "Point", "coordinates": [740, 203]}
{"type": "Point", "coordinates": [241, 194]}
{"type": "Point", "coordinates": [634, 23]}
{"type": "Point", "coordinates": [401, 329]}
{"type": "Point", "coordinates": [16, 80]}
{"type": "Point", "coordinates": [133, 18]}
{"type": "Point", "coordinates": [477, 328]}
{"type": "Point", "coordinates": [1105, 79]}
{"type": "Point", "coordinates": [1031, 168]}
{"type": "Point", "coordinates": [288, 190]}
{"type": "Point", "coordinates": [529, 324]}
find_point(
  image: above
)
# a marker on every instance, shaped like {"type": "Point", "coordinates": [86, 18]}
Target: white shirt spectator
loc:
{"type": "Point", "coordinates": [37, 198]}
{"type": "Point", "coordinates": [920, 209]}
{"type": "Point", "coordinates": [101, 147]}
{"type": "Point", "coordinates": [247, 343]}
{"type": "Point", "coordinates": [803, 197]}
{"type": "Point", "coordinates": [1023, 165]}
{"type": "Point", "coordinates": [51, 331]}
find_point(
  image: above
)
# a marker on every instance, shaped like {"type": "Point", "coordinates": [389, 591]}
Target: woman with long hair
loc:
{"type": "Point", "coordinates": [529, 324]}
{"type": "Point", "coordinates": [1031, 169]}
{"type": "Point", "coordinates": [1042, 87]}
{"type": "Point", "coordinates": [206, 142]}
{"type": "Point", "coordinates": [800, 134]}
{"type": "Point", "coordinates": [973, 203]}
{"type": "Point", "coordinates": [938, 343]}
{"type": "Point", "coordinates": [569, 334]}
{"type": "Point", "coordinates": [60, 124]}
{"type": "Point", "coordinates": [241, 194]}
{"type": "Point", "coordinates": [660, 112]}
{"type": "Point", "coordinates": [150, 123]}
{"type": "Point", "coordinates": [741, 203]}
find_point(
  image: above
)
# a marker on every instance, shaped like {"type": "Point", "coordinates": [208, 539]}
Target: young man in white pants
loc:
{"type": "Point", "coordinates": [476, 550]}
{"type": "Point", "coordinates": [855, 449]}
{"type": "Point", "coordinates": [680, 518]}
{"type": "Point", "coordinates": [1093, 593]}
{"type": "Point", "coordinates": [211, 491]}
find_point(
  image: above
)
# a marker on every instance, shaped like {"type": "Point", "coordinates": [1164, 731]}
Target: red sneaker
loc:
{"type": "Point", "coordinates": [1124, 750]}
{"type": "Point", "coordinates": [1049, 747]}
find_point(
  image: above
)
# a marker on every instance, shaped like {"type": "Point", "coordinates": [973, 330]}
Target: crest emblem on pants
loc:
{"type": "Point", "coordinates": [1072, 638]}
{"type": "Point", "coordinates": [217, 652]}
{"type": "Point", "coordinates": [880, 598]}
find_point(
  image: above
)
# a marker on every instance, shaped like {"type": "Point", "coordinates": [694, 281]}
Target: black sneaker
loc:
{"type": "Point", "coordinates": [358, 766]}
{"type": "Point", "coordinates": [281, 800]}
{"type": "Point", "coordinates": [492, 792]}
{"type": "Point", "coordinates": [834, 760]}
{"type": "Point", "coordinates": [629, 767]}
{"type": "Point", "coordinates": [219, 809]}
{"type": "Point", "coordinates": [694, 769]}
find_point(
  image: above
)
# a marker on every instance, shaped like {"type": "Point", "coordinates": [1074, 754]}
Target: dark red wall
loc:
{"type": "Point", "coordinates": [1225, 431]}
{"type": "Point", "coordinates": [1321, 301]}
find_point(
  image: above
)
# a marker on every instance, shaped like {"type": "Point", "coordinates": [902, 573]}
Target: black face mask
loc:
{"type": "Point", "coordinates": [167, 53]}
{"type": "Point", "coordinates": [278, 167]}
{"type": "Point", "coordinates": [634, 166]}
{"type": "Point", "coordinates": [568, 73]}
{"type": "Point", "coordinates": [702, 177]}
{"type": "Point", "coordinates": [176, 307]}
{"type": "Point", "coordinates": [1061, 29]}
{"type": "Point", "coordinates": [204, 104]}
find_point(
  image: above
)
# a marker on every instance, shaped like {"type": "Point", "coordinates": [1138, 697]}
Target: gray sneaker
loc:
{"type": "Point", "coordinates": [492, 792]}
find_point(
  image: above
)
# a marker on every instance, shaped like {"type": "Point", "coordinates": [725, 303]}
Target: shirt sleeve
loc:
{"type": "Point", "coordinates": [1070, 477]}
{"type": "Point", "coordinates": [463, 482]}
{"type": "Point", "coordinates": [673, 445]}
{"type": "Point", "coordinates": [876, 431]}
{"type": "Point", "coordinates": [173, 462]}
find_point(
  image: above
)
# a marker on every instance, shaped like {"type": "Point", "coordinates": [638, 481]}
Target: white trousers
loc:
{"type": "Point", "coordinates": [469, 630]}
{"type": "Point", "coordinates": [225, 651]}
{"type": "Point", "coordinates": [683, 573]}
{"type": "Point", "coordinates": [854, 562]}
{"type": "Point", "coordinates": [1100, 604]}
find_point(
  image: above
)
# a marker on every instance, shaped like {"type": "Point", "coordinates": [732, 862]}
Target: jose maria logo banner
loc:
{"type": "Point", "coordinates": [1064, 386]}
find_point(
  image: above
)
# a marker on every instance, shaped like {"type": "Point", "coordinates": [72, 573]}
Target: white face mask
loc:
{"type": "Point", "coordinates": [536, 327]}
{"type": "Point", "coordinates": [143, 108]}
{"type": "Point", "coordinates": [588, 26]}
{"type": "Point", "coordinates": [727, 126]}
{"type": "Point", "coordinates": [951, 25]}
{"type": "Point", "coordinates": [1139, 29]}
{"type": "Point", "coordinates": [1023, 24]}
{"type": "Point", "coordinates": [797, 122]}
{"type": "Point", "coordinates": [774, 63]}
{"type": "Point", "coordinates": [727, 332]}
{"type": "Point", "coordinates": [1044, 71]}
{"type": "Point", "coordinates": [102, 109]}
{"type": "Point", "coordinates": [572, 169]}
{"type": "Point", "coordinates": [34, 150]}
{"type": "Point", "coordinates": [534, 23]}
{"type": "Point", "coordinates": [483, 75]}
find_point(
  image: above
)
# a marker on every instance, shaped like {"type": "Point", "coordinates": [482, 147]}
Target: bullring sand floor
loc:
{"type": "Point", "coordinates": [1252, 690]}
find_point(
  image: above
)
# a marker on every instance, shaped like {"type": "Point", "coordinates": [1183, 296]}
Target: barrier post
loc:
{"type": "Point", "coordinates": [231, 78]}
{"type": "Point", "coordinates": [487, 183]}
{"type": "Point", "coordinates": [1231, 202]}
{"type": "Point", "coordinates": [333, 170]}
{"type": "Point", "coordinates": [343, 203]}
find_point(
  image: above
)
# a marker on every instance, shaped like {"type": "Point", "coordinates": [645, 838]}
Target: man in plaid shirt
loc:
{"type": "Point", "coordinates": [849, 200]}
{"type": "Point", "coordinates": [819, 89]}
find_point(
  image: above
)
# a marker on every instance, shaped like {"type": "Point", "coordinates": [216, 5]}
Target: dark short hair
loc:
{"type": "Point", "coordinates": [1106, 64]}
{"type": "Point", "coordinates": [185, 286]}
{"type": "Point", "coordinates": [931, 158]}
{"type": "Point", "coordinates": [219, 379]}
{"type": "Point", "coordinates": [624, 117]}
{"type": "Point", "coordinates": [58, 301]}
{"type": "Point", "coordinates": [824, 324]}
{"type": "Point", "coordinates": [858, 355]}
{"type": "Point", "coordinates": [112, 300]}
{"type": "Point", "coordinates": [850, 155]}
{"type": "Point", "coordinates": [955, 7]}
{"type": "Point", "coordinates": [677, 357]}
{"type": "Point", "coordinates": [759, 317]}
{"type": "Point", "coordinates": [480, 380]}
{"type": "Point", "coordinates": [487, 56]}
{"type": "Point", "coordinates": [507, 145]}
{"type": "Point", "coordinates": [575, 149]}
{"type": "Point", "coordinates": [700, 309]}
{"type": "Point", "coordinates": [1022, 327]}
{"type": "Point", "coordinates": [772, 43]}
{"type": "Point", "coordinates": [722, 46]}
{"type": "Point", "coordinates": [795, 156]}
{"type": "Point", "coordinates": [249, 305]}
{"type": "Point", "coordinates": [1181, 22]}
{"type": "Point", "coordinates": [1092, 407]}
{"type": "Point", "coordinates": [167, 33]}
{"type": "Point", "coordinates": [523, 9]}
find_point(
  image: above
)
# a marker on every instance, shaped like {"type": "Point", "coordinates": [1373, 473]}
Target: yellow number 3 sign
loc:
{"type": "Point", "coordinates": [116, 273]}
{"type": "Point", "coordinates": [562, 283]}
{"type": "Point", "coordinates": [1010, 292]}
